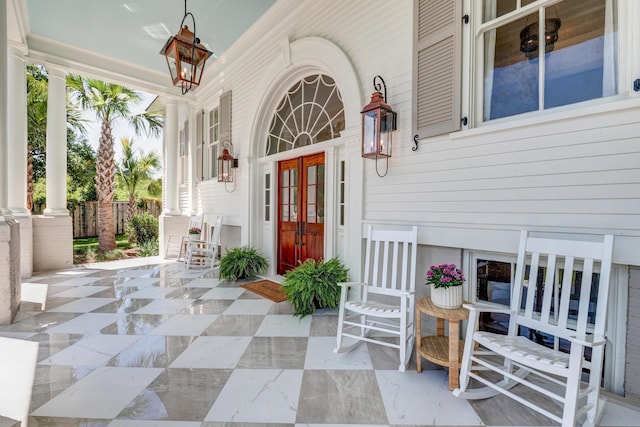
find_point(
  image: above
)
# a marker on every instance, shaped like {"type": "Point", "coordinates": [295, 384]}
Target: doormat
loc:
{"type": "Point", "coordinates": [266, 289]}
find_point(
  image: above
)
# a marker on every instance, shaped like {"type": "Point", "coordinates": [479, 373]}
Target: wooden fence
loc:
{"type": "Point", "coordinates": [85, 217]}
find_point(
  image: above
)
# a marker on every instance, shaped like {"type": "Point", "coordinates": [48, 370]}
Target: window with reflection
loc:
{"type": "Point", "coordinates": [493, 285]}
{"type": "Point", "coordinates": [310, 112]}
{"type": "Point", "coordinates": [574, 60]}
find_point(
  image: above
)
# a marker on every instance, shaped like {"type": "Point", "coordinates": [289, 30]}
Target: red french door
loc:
{"type": "Point", "coordinates": [300, 210]}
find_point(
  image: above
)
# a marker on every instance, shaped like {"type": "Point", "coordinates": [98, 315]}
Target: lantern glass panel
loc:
{"type": "Point", "coordinates": [370, 133]}
{"type": "Point", "coordinates": [386, 132]}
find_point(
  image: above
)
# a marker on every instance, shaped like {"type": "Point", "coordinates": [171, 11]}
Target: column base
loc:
{"type": "Point", "coordinates": [26, 245]}
{"type": "Point", "coordinates": [9, 270]}
{"type": "Point", "coordinates": [55, 212]}
{"type": "Point", "coordinates": [52, 242]}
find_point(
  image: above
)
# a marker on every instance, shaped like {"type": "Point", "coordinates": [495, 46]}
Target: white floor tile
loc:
{"type": "Point", "coordinates": [164, 306]}
{"type": "Point", "coordinates": [153, 423]}
{"type": "Point", "coordinates": [185, 325]}
{"type": "Point", "coordinates": [94, 350]}
{"type": "Point", "coordinates": [87, 324]}
{"type": "Point", "coordinates": [101, 394]}
{"type": "Point", "coordinates": [247, 306]}
{"type": "Point", "coordinates": [82, 291]}
{"type": "Point", "coordinates": [223, 293]}
{"type": "Point", "coordinates": [83, 305]}
{"type": "Point", "coordinates": [618, 415]}
{"type": "Point", "coordinates": [202, 283]}
{"type": "Point", "coordinates": [76, 281]}
{"type": "Point", "coordinates": [213, 353]}
{"type": "Point", "coordinates": [320, 355]}
{"type": "Point", "coordinates": [265, 396]}
{"type": "Point", "coordinates": [284, 325]}
{"type": "Point", "coordinates": [151, 292]}
{"type": "Point", "coordinates": [138, 283]}
{"type": "Point", "coordinates": [423, 398]}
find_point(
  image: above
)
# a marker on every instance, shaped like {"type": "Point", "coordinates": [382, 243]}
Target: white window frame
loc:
{"type": "Point", "coordinates": [213, 141]}
{"type": "Point", "coordinates": [473, 69]}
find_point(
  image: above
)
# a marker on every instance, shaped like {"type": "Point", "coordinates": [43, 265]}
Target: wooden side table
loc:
{"type": "Point", "coordinates": [440, 349]}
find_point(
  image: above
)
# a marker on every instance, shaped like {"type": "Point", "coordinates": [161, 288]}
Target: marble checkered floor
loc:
{"type": "Point", "coordinates": [125, 344]}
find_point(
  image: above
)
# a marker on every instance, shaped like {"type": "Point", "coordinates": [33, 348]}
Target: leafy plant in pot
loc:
{"type": "Point", "coordinates": [242, 263]}
{"type": "Point", "coordinates": [314, 284]}
{"type": "Point", "coordinates": [446, 285]}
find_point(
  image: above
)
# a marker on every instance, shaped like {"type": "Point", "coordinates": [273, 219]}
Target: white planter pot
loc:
{"type": "Point", "coordinates": [447, 297]}
{"type": "Point", "coordinates": [194, 237]}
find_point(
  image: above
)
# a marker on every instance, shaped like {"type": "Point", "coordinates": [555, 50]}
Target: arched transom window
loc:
{"type": "Point", "coordinates": [310, 112]}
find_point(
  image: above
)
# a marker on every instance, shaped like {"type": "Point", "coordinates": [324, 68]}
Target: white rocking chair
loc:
{"type": "Point", "coordinates": [18, 360]}
{"type": "Point", "coordinates": [203, 253]}
{"type": "Point", "coordinates": [385, 299]}
{"type": "Point", "coordinates": [178, 244]}
{"type": "Point", "coordinates": [542, 308]}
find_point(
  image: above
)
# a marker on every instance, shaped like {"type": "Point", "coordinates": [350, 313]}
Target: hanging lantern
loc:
{"type": "Point", "coordinates": [186, 56]}
{"type": "Point", "coordinates": [378, 123]}
{"type": "Point", "coordinates": [227, 164]}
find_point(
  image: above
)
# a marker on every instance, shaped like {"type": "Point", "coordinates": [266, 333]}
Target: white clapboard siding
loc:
{"type": "Point", "coordinates": [346, 24]}
{"type": "Point", "coordinates": [632, 370]}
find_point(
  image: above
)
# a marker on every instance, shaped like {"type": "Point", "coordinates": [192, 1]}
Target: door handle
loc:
{"type": "Point", "coordinates": [302, 233]}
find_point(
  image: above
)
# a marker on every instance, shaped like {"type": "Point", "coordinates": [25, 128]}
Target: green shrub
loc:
{"type": "Point", "coordinates": [148, 249]}
{"type": "Point", "coordinates": [111, 255]}
{"type": "Point", "coordinates": [142, 229]}
{"type": "Point", "coordinates": [312, 285]}
{"type": "Point", "coordinates": [242, 263]}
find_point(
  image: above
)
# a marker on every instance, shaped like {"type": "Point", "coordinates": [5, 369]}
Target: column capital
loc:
{"type": "Point", "coordinates": [17, 50]}
{"type": "Point", "coordinates": [55, 70]}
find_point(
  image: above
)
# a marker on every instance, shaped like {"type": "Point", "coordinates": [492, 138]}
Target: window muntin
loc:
{"type": "Point", "coordinates": [183, 151]}
{"type": "Point", "coordinates": [581, 65]}
{"type": "Point", "coordinates": [310, 112]}
{"type": "Point", "coordinates": [342, 192]}
{"type": "Point", "coordinates": [214, 140]}
{"type": "Point", "coordinates": [267, 197]}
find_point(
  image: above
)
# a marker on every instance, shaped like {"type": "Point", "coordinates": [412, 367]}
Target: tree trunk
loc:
{"type": "Point", "coordinates": [132, 208]}
{"type": "Point", "coordinates": [105, 188]}
{"type": "Point", "coordinates": [30, 181]}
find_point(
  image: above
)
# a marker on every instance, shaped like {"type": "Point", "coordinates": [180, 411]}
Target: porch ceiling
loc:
{"type": "Point", "coordinates": [129, 32]}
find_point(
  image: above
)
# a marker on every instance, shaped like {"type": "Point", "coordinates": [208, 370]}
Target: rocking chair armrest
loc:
{"type": "Point", "coordinates": [488, 307]}
{"type": "Point", "coordinates": [588, 340]}
{"type": "Point", "coordinates": [349, 284]}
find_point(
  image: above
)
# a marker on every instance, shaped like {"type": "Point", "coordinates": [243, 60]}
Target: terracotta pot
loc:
{"type": "Point", "coordinates": [447, 297]}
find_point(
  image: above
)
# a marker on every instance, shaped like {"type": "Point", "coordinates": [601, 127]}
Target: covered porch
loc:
{"type": "Point", "coordinates": [149, 343]}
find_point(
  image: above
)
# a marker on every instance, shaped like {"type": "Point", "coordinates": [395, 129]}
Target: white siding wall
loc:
{"type": "Point", "coordinates": [346, 24]}
{"type": "Point", "coordinates": [573, 171]}
{"type": "Point", "coordinates": [632, 369]}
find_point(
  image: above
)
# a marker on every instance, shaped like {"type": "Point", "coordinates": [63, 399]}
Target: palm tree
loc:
{"type": "Point", "coordinates": [37, 97]}
{"type": "Point", "coordinates": [110, 103]}
{"type": "Point", "coordinates": [134, 170]}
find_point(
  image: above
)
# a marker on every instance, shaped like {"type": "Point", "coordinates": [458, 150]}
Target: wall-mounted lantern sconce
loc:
{"type": "Point", "coordinates": [378, 123]}
{"type": "Point", "coordinates": [185, 56]}
{"type": "Point", "coordinates": [227, 165]}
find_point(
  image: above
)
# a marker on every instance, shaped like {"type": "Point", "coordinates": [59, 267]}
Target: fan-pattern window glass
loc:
{"type": "Point", "coordinates": [310, 112]}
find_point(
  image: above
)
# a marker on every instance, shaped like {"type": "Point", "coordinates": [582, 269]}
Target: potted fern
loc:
{"type": "Point", "coordinates": [314, 284]}
{"type": "Point", "coordinates": [242, 263]}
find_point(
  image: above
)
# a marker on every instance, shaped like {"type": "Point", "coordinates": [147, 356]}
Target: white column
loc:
{"type": "Point", "coordinates": [5, 214]}
{"type": "Point", "coordinates": [17, 156]}
{"type": "Point", "coordinates": [171, 159]}
{"type": "Point", "coordinates": [9, 228]}
{"type": "Point", "coordinates": [193, 154]}
{"type": "Point", "coordinates": [56, 168]}
{"type": "Point", "coordinates": [17, 134]}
